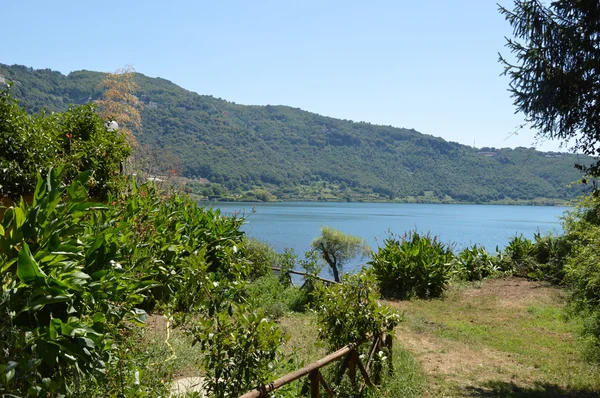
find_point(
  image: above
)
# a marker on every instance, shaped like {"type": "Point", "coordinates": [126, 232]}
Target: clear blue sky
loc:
{"type": "Point", "coordinates": [430, 65]}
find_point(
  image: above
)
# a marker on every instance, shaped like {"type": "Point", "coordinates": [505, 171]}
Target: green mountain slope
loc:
{"type": "Point", "coordinates": [298, 154]}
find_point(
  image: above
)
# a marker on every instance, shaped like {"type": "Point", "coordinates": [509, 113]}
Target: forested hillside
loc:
{"type": "Point", "coordinates": [293, 154]}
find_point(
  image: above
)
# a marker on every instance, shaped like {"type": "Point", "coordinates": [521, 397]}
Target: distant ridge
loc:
{"type": "Point", "coordinates": [296, 155]}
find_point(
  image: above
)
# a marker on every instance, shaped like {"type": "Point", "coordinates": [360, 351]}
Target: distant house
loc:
{"type": "Point", "coordinates": [2, 79]}
{"type": "Point", "coordinates": [487, 153]}
{"type": "Point", "coordinates": [156, 178]}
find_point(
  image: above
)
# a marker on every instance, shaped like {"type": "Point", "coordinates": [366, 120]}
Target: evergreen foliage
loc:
{"type": "Point", "coordinates": [554, 80]}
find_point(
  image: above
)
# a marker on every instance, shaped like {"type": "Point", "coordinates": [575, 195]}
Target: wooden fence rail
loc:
{"type": "Point", "coordinates": [351, 362]}
{"type": "Point", "coordinates": [304, 274]}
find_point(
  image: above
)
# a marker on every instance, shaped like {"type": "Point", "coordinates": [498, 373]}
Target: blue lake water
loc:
{"type": "Point", "coordinates": [294, 225]}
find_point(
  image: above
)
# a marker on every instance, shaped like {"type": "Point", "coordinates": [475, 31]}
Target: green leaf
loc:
{"type": "Point", "coordinates": [7, 265]}
{"type": "Point", "coordinates": [28, 269]}
{"type": "Point", "coordinates": [80, 275]}
{"type": "Point", "coordinates": [76, 192]}
{"type": "Point", "coordinates": [19, 216]}
{"type": "Point", "coordinates": [9, 372]}
{"type": "Point", "coordinates": [39, 191]}
{"type": "Point", "coordinates": [40, 303]}
{"type": "Point", "coordinates": [99, 318]}
{"type": "Point", "coordinates": [67, 329]}
{"type": "Point", "coordinates": [53, 328]}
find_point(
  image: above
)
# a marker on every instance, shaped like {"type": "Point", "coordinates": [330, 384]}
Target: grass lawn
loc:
{"type": "Point", "coordinates": [500, 337]}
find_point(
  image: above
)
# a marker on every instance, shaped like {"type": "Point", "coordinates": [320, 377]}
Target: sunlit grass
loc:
{"type": "Point", "coordinates": [520, 337]}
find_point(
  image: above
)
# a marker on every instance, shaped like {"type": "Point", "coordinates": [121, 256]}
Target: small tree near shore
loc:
{"type": "Point", "coordinates": [337, 248]}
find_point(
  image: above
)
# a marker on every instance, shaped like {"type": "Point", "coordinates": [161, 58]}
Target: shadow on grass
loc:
{"type": "Point", "coordinates": [504, 389]}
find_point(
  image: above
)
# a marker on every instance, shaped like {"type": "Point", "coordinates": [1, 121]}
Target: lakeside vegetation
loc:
{"type": "Point", "coordinates": [87, 283]}
{"type": "Point", "coordinates": [122, 293]}
{"type": "Point", "coordinates": [227, 151]}
{"type": "Point", "coordinates": [92, 283]}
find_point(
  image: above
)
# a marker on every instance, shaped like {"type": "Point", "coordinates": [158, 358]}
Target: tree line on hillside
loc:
{"type": "Point", "coordinates": [289, 152]}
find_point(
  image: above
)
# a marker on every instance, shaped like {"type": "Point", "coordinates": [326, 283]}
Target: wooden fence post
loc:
{"type": "Point", "coordinates": [314, 383]}
{"type": "Point", "coordinates": [326, 386]}
{"type": "Point", "coordinates": [352, 367]}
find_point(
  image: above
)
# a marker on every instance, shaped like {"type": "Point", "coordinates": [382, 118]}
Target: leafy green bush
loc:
{"type": "Point", "coordinates": [582, 269]}
{"type": "Point", "coordinates": [262, 256]}
{"type": "Point", "coordinates": [518, 255]}
{"type": "Point", "coordinates": [274, 297]}
{"type": "Point", "coordinates": [63, 299]}
{"type": "Point", "coordinates": [240, 344]}
{"type": "Point", "coordinates": [73, 271]}
{"type": "Point", "coordinates": [544, 258]}
{"type": "Point", "coordinates": [241, 349]}
{"type": "Point", "coordinates": [350, 312]}
{"type": "Point", "coordinates": [75, 140]}
{"type": "Point", "coordinates": [551, 254]}
{"type": "Point", "coordinates": [162, 237]}
{"type": "Point", "coordinates": [583, 278]}
{"type": "Point", "coordinates": [412, 265]}
{"type": "Point", "coordinates": [475, 263]}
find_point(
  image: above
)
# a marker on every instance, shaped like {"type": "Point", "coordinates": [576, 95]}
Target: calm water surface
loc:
{"type": "Point", "coordinates": [296, 224]}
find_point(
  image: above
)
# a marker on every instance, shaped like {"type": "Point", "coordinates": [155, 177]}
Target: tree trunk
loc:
{"type": "Point", "coordinates": [332, 262]}
{"type": "Point", "coordinates": [336, 274]}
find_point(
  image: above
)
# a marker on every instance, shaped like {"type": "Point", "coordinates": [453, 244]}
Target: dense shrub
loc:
{"type": "Point", "coordinates": [582, 269]}
{"type": "Point", "coordinates": [241, 346]}
{"type": "Point", "coordinates": [544, 258]}
{"type": "Point", "coordinates": [65, 293]}
{"type": "Point", "coordinates": [274, 297]}
{"type": "Point", "coordinates": [261, 256]}
{"type": "Point", "coordinates": [73, 271]}
{"type": "Point", "coordinates": [551, 254]}
{"type": "Point", "coordinates": [165, 235]}
{"type": "Point", "coordinates": [241, 350]}
{"type": "Point", "coordinates": [518, 255]}
{"type": "Point", "coordinates": [583, 277]}
{"type": "Point", "coordinates": [350, 312]}
{"type": "Point", "coordinates": [475, 263]}
{"type": "Point", "coordinates": [412, 265]}
{"type": "Point", "coordinates": [75, 140]}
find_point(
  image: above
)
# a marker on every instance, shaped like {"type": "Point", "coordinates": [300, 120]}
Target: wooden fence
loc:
{"type": "Point", "coordinates": [327, 281]}
{"type": "Point", "coordinates": [371, 373]}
